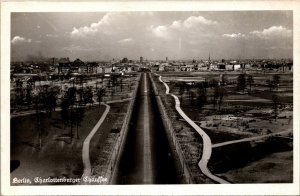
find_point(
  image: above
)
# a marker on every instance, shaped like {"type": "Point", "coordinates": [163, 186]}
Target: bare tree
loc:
{"type": "Point", "coordinates": [78, 117]}
{"type": "Point", "coordinates": [88, 96]}
{"type": "Point", "coordinates": [241, 81]}
{"type": "Point", "coordinates": [19, 92]}
{"type": "Point", "coordinates": [276, 80]}
{"type": "Point", "coordinates": [64, 111]}
{"type": "Point", "coordinates": [219, 93]}
{"type": "Point", "coordinates": [38, 104]}
{"type": "Point", "coordinates": [100, 94]}
{"type": "Point", "coordinates": [250, 81]}
{"type": "Point", "coordinates": [191, 96]}
{"type": "Point", "coordinates": [121, 83]}
{"type": "Point", "coordinates": [270, 84]}
{"type": "Point", "coordinates": [276, 103]}
{"type": "Point", "coordinates": [202, 97]}
{"type": "Point", "coordinates": [181, 92]}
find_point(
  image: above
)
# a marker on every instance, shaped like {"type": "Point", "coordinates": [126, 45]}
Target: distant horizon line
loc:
{"type": "Point", "coordinates": [169, 60]}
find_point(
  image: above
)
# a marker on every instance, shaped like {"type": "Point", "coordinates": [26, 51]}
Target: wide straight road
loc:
{"type": "Point", "coordinates": [147, 157]}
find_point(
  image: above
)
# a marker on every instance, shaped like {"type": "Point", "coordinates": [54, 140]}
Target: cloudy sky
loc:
{"type": "Point", "coordinates": [153, 35]}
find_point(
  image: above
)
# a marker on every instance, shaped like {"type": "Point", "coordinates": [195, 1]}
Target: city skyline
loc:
{"type": "Point", "coordinates": [153, 35]}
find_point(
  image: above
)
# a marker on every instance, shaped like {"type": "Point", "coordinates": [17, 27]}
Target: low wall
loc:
{"type": "Point", "coordinates": [184, 170]}
{"type": "Point", "coordinates": [117, 150]}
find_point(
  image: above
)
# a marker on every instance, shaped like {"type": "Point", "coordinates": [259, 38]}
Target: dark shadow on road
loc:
{"type": "Point", "coordinates": [130, 170]}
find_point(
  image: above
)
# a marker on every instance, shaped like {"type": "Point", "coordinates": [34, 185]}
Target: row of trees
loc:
{"type": "Point", "coordinates": [43, 99]}
{"type": "Point", "coordinates": [243, 80]}
{"type": "Point", "coordinates": [219, 90]}
{"type": "Point", "coordinates": [73, 106]}
{"type": "Point", "coordinates": [274, 83]}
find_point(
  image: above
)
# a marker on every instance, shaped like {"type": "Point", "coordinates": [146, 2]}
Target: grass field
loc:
{"type": "Point", "coordinates": [239, 104]}
{"type": "Point", "coordinates": [273, 168]}
{"type": "Point", "coordinates": [242, 114]}
{"type": "Point", "coordinates": [60, 156]}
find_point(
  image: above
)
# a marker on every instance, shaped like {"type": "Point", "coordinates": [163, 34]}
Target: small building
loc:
{"type": "Point", "coordinates": [99, 69]}
{"type": "Point", "coordinates": [236, 66]}
{"type": "Point", "coordinates": [213, 66]}
{"type": "Point", "coordinates": [169, 68]}
{"type": "Point", "coordinates": [229, 67]}
{"type": "Point", "coordinates": [221, 66]}
{"type": "Point", "coordinates": [64, 65]}
{"type": "Point", "coordinates": [106, 69]}
{"type": "Point", "coordinates": [91, 67]}
{"type": "Point", "coordinates": [245, 66]}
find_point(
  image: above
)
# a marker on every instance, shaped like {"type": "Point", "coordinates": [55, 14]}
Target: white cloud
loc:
{"type": "Point", "coordinates": [176, 24]}
{"type": "Point", "coordinates": [160, 31]}
{"type": "Point", "coordinates": [234, 35]}
{"type": "Point", "coordinates": [186, 26]}
{"type": "Point", "coordinates": [272, 32]}
{"type": "Point", "coordinates": [94, 27]}
{"type": "Point", "coordinates": [19, 39]}
{"type": "Point", "coordinates": [193, 21]}
{"type": "Point", "coordinates": [127, 40]}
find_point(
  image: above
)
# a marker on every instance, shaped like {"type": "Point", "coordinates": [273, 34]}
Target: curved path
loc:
{"type": "Point", "coordinates": [86, 144]}
{"type": "Point", "coordinates": [250, 139]}
{"type": "Point", "coordinates": [207, 146]}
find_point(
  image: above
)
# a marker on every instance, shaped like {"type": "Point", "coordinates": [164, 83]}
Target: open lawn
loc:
{"type": "Point", "coordinates": [273, 168]}
{"type": "Point", "coordinates": [60, 155]}
{"type": "Point", "coordinates": [56, 153]}
{"type": "Point", "coordinates": [241, 114]}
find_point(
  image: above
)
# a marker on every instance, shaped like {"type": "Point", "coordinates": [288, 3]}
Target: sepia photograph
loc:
{"type": "Point", "coordinates": [149, 97]}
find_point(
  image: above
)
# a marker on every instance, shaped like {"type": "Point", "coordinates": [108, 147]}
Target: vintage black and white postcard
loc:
{"type": "Point", "coordinates": [99, 97]}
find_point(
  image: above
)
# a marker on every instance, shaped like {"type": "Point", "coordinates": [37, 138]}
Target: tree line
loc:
{"type": "Point", "coordinates": [197, 92]}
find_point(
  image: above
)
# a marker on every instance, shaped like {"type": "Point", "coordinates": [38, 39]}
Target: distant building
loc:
{"type": "Point", "coordinates": [213, 66]}
{"type": "Point", "coordinates": [229, 67]}
{"type": "Point", "coordinates": [188, 68]}
{"type": "Point", "coordinates": [245, 66]}
{"type": "Point", "coordinates": [221, 66]}
{"type": "Point", "coordinates": [91, 67]}
{"type": "Point", "coordinates": [78, 66]}
{"type": "Point", "coordinates": [167, 59]}
{"type": "Point", "coordinates": [141, 59]}
{"type": "Point", "coordinates": [236, 66]}
{"type": "Point", "coordinates": [99, 69]}
{"type": "Point", "coordinates": [106, 69]}
{"type": "Point", "coordinates": [64, 65]}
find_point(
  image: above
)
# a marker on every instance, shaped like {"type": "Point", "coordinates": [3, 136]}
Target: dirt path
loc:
{"type": "Point", "coordinates": [250, 139]}
{"type": "Point", "coordinates": [207, 146]}
{"type": "Point", "coordinates": [86, 144]}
